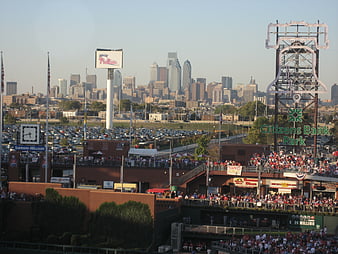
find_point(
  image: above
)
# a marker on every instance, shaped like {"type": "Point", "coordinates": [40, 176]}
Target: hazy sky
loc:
{"type": "Point", "coordinates": [220, 38]}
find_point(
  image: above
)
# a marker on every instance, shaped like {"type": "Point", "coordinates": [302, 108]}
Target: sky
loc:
{"type": "Point", "coordinates": [218, 37]}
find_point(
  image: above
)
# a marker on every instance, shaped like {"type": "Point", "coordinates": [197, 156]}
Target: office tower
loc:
{"type": "Point", "coordinates": [217, 94]}
{"type": "Point", "coordinates": [11, 88]}
{"type": "Point", "coordinates": [163, 75]}
{"type": "Point", "coordinates": [91, 79]}
{"type": "Point", "coordinates": [334, 94]}
{"type": "Point", "coordinates": [198, 91]}
{"type": "Point", "coordinates": [117, 81]}
{"type": "Point", "coordinates": [172, 56]}
{"type": "Point", "coordinates": [154, 72]}
{"type": "Point", "coordinates": [186, 79]}
{"type": "Point", "coordinates": [74, 79]}
{"type": "Point", "coordinates": [174, 71]}
{"type": "Point", "coordinates": [227, 82]}
{"type": "Point", "coordinates": [63, 87]}
{"type": "Point", "coordinates": [129, 82]}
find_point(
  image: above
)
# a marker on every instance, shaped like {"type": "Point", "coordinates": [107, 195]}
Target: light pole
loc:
{"type": "Point", "coordinates": [171, 165]}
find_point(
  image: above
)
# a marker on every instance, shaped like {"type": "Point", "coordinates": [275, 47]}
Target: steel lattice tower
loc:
{"type": "Point", "coordinates": [296, 84]}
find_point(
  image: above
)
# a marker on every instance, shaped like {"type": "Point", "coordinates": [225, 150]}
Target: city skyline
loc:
{"type": "Point", "coordinates": [221, 38]}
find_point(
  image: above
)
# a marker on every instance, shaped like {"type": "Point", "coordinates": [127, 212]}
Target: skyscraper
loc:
{"type": "Point", "coordinates": [227, 82]}
{"type": "Point", "coordinates": [92, 80]}
{"type": "Point", "coordinates": [163, 75]}
{"type": "Point", "coordinates": [186, 79]}
{"type": "Point", "coordinates": [174, 70]}
{"type": "Point", "coordinates": [334, 94]}
{"type": "Point", "coordinates": [154, 72]}
{"type": "Point", "coordinates": [74, 79]}
{"type": "Point", "coordinates": [11, 88]}
{"type": "Point", "coordinates": [63, 87]}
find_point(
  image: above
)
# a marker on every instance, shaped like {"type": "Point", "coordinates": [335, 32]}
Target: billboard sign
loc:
{"type": "Point", "coordinates": [108, 59]}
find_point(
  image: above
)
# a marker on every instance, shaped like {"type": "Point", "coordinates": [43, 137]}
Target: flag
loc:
{"type": "Point", "coordinates": [2, 75]}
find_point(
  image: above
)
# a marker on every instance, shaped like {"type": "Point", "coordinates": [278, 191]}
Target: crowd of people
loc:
{"type": "Point", "coordinates": [305, 163]}
{"type": "Point", "coordinates": [268, 201]}
{"type": "Point", "coordinates": [316, 242]}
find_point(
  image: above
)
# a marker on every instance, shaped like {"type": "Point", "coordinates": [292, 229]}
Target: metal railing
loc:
{"type": "Point", "coordinates": [324, 208]}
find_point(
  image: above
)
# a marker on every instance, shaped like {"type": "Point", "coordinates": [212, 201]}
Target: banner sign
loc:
{"type": "Point", "coordinates": [281, 184]}
{"type": "Point", "coordinates": [234, 170]}
{"type": "Point", "coordinates": [245, 182]}
{"type": "Point", "coordinates": [108, 59]}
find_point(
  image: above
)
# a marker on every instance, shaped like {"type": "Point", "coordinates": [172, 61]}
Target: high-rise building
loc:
{"type": "Point", "coordinates": [11, 88]}
{"type": "Point", "coordinates": [63, 87]}
{"type": "Point", "coordinates": [129, 82]}
{"type": "Point", "coordinates": [334, 94]}
{"type": "Point", "coordinates": [227, 82]}
{"type": "Point", "coordinates": [198, 91]}
{"type": "Point", "coordinates": [74, 79]}
{"type": "Point", "coordinates": [163, 75]}
{"type": "Point", "coordinates": [154, 72]}
{"type": "Point", "coordinates": [174, 70]}
{"type": "Point", "coordinates": [186, 79]}
{"type": "Point", "coordinates": [91, 79]}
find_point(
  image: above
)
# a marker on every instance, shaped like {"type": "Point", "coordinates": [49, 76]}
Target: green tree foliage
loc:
{"type": "Point", "coordinates": [128, 225]}
{"type": "Point", "coordinates": [69, 105]}
{"type": "Point", "coordinates": [64, 120]}
{"type": "Point", "coordinates": [248, 111]}
{"type": "Point", "coordinates": [9, 119]}
{"type": "Point", "coordinates": [226, 109]}
{"type": "Point", "coordinates": [202, 148]}
{"type": "Point", "coordinates": [125, 105]}
{"type": "Point", "coordinates": [255, 136]}
{"type": "Point", "coordinates": [60, 214]}
{"type": "Point", "coordinates": [97, 106]}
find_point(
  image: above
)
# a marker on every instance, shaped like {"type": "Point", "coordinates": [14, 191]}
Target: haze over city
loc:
{"type": "Point", "coordinates": [219, 38]}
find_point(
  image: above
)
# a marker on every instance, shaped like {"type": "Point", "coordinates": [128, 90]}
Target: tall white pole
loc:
{"type": "Point", "coordinates": [110, 99]}
{"type": "Point", "coordinates": [74, 171]}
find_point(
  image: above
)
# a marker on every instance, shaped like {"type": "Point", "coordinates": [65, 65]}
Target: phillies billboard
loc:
{"type": "Point", "coordinates": [108, 58]}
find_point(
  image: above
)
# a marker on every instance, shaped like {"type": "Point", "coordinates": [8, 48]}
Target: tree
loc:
{"type": "Point", "coordinates": [69, 105]}
{"type": "Point", "coordinates": [251, 109]}
{"type": "Point", "coordinates": [9, 119]}
{"type": "Point", "coordinates": [226, 109]}
{"type": "Point", "coordinates": [125, 105]}
{"type": "Point", "coordinates": [97, 106]}
{"type": "Point", "coordinates": [202, 148]}
{"type": "Point", "coordinates": [255, 136]}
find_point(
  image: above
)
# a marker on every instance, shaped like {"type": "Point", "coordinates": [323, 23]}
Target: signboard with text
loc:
{"type": "Point", "coordinates": [108, 59]}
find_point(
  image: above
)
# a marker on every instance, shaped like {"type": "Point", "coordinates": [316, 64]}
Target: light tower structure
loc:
{"type": "Point", "coordinates": [109, 59]}
{"type": "Point", "coordinates": [296, 85]}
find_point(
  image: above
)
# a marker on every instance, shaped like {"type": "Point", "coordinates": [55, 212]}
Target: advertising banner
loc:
{"type": "Point", "coordinates": [245, 182]}
{"type": "Point", "coordinates": [282, 184]}
{"type": "Point", "coordinates": [234, 170]}
{"type": "Point", "coordinates": [108, 59]}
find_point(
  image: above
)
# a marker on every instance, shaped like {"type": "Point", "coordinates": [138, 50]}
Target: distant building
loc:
{"type": "Point", "coordinates": [91, 79]}
{"type": "Point", "coordinates": [154, 72]}
{"type": "Point", "coordinates": [11, 88]}
{"type": "Point", "coordinates": [63, 87]}
{"type": "Point", "coordinates": [74, 79]}
{"type": "Point", "coordinates": [186, 78]}
{"type": "Point", "coordinates": [198, 91]}
{"type": "Point", "coordinates": [163, 75]}
{"type": "Point", "coordinates": [174, 71]}
{"type": "Point", "coordinates": [227, 82]}
{"type": "Point", "coordinates": [334, 94]}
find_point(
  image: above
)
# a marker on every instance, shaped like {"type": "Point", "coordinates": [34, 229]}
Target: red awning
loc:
{"type": "Point", "coordinates": [157, 190]}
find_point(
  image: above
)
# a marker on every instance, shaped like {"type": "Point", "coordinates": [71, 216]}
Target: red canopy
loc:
{"type": "Point", "coordinates": [157, 190]}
